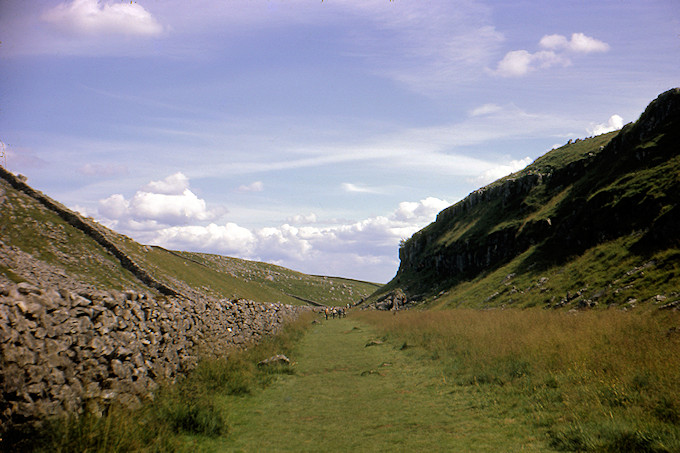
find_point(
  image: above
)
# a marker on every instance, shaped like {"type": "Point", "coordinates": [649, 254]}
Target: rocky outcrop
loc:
{"type": "Point", "coordinates": [65, 351]}
{"type": "Point", "coordinates": [394, 300]}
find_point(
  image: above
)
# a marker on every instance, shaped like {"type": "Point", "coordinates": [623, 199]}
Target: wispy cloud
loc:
{"type": "Point", "coordinates": [429, 47]}
{"type": "Point", "coordinates": [434, 150]}
{"type": "Point", "coordinates": [106, 170]}
{"type": "Point", "coordinates": [486, 109]}
{"type": "Point", "coordinates": [354, 188]}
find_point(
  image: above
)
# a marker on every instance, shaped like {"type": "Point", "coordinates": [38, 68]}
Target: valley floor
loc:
{"type": "Point", "coordinates": [347, 396]}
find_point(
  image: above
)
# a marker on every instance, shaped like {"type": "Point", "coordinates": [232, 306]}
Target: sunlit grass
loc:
{"type": "Point", "coordinates": [596, 380]}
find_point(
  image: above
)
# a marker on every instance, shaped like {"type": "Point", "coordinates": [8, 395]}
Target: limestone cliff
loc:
{"type": "Point", "coordinates": [573, 198]}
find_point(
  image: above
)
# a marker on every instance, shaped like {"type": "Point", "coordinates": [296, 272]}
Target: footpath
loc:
{"type": "Point", "coordinates": [348, 395]}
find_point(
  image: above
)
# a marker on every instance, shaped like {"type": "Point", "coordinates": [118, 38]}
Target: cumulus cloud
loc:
{"type": "Point", "coordinates": [499, 171]}
{"type": "Point", "coordinates": [579, 43]}
{"type": "Point", "coordinates": [166, 202]}
{"type": "Point", "coordinates": [257, 186]}
{"type": "Point", "coordinates": [349, 249]}
{"type": "Point", "coordinates": [229, 238]}
{"type": "Point", "coordinates": [366, 248]}
{"type": "Point", "coordinates": [301, 219]}
{"type": "Point", "coordinates": [520, 62]}
{"type": "Point", "coordinates": [421, 210]}
{"type": "Point", "coordinates": [558, 51]}
{"type": "Point", "coordinates": [614, 123]}
{"type": "Point", "coordinates": [172, 185]}
{"type": "Point", "coordinates": [93, 17]}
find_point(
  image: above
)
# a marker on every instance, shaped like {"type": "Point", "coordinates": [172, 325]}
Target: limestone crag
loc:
{"type": "Point", "coordinates": [499, 222]}
{"type": "Point", "coordinates": [66, 351]}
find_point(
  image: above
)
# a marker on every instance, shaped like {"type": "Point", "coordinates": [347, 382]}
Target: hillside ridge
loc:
{"type": "Point", "coordinates": [585, 193]}
{"type": "Point", "coordinates": [87, 227]}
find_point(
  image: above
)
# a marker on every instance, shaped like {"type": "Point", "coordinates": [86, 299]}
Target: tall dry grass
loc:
{"type": "Point", "coordinates": [595, 380]}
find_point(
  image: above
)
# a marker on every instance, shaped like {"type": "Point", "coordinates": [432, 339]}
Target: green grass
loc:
{"type": "Point", "coordinates": [291, 285]}
{"type": "Point", "coordinates": [347, 396]}
{"type": "Point", "coordinates": [607, 274]}
{"type": "Point", "coordinates": [592, 381]}
{"type": "Point", "coordinates": [35, 230]}
{"type": "Point", "coordinates": [454, 380]}
{"type": "Point", "coordinates": [572, 152]}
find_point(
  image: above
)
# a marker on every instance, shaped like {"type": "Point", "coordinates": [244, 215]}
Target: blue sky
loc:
{"type": "Point", "coordinates": [314, 135]}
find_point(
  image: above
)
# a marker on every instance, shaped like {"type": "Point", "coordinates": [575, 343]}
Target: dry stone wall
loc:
{"type": "Point", "coordinates": [65, 351]}
{"type": "Point", "coordinates": [67, 346]}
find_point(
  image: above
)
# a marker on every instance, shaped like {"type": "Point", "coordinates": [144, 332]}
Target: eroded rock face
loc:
{"type": "Point", "coordinates": [64, 351]}
{"type": "Point", "coordinates": [394, 300]}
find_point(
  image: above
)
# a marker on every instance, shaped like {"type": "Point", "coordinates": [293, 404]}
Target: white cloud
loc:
{"type": "Point", "coordinates": [351, 248]}
{"type": "Point", "coordinates": [579, 43]}
{"type": "Point", "coordinates": [423, 210]}
{"type": "Point", "coordinates": [93, 17]}
{"type": "Point", "coordinates": [486, 109]}
{"type": "Point", "coordinates": [499, 171]}
{"type": "Point", "coordinates": [228, 238]}
{"type": "Point", "coordinates": [520, 62]}
{"type": "Point", "coordinates": [585, 44]}
{"type": "Point", "coordinates": [103, 170]}
{"type": "Point", "coordinates": [517, 63]}
{"type": "Point", "coordinates": [257, 186]}
{"type": "Point", "coordinates": [301, 219]}
{"type": "Point", "coordinates": [354, 188]}
{"type": "Point", "coordinates": [614, 123]}
{"type": "Point", "coordinates": [166, 202]}
{"type": "Point", "coordinates": [554, 42]}
{"type": "Point", "coordinates": [172, 185]}
{"type": "Point", "coordinates": [348, 249]}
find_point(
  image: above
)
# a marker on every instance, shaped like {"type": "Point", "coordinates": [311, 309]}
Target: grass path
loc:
{"type": "Point", "coordinates": [346, 396]}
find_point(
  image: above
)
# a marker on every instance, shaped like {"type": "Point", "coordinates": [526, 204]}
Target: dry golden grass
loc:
{"type": "Point", "coordinates": [593, 380]}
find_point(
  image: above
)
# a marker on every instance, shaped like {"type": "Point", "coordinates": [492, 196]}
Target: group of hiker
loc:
{"type": "Point", "coordinates": [340, 312]}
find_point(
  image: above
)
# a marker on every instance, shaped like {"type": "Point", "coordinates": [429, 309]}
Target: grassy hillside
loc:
{"type": "Point", "coordinates": [592, 222]}
{"type": "Point", "coordinates": [49, 240]}
{"type": "Point", "coordinates": [42, 245]}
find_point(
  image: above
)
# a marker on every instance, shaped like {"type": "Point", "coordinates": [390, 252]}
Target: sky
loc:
{"type": "Point", "coordinates": [311, 134]}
